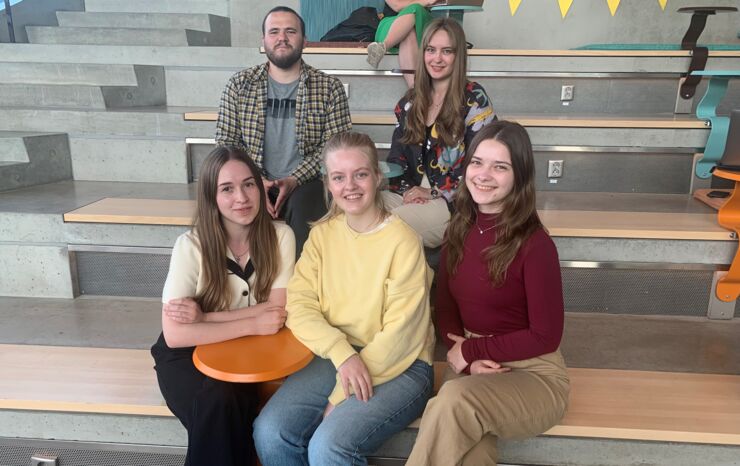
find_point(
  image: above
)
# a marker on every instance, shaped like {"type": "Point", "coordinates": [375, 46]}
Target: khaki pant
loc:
{"type": "Point", "coordinates": [429, 220]}
{"type": "Point", "coordinates": [462, 423]}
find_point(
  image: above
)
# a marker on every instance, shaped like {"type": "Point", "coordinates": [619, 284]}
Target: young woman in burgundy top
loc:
{"type": "Point", "coordinates": [499, 310]}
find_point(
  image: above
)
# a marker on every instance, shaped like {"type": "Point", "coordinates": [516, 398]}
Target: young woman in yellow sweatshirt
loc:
{"type": "Point", "coordinates": [359, 299]}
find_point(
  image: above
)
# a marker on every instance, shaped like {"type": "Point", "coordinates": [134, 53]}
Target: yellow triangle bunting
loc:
{"type": "Point", "coordinates": [613, 5]}
{"type": "Point", "coordinates": [514, 5]}
{"type": "Point", "coordinates": [662, 4]}
{"type": "Point", "coordinates": [564, 7]}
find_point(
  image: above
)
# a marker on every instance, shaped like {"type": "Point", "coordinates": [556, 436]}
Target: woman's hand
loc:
{"type": "Point", "coordinates": [454, 356]}
{"type": "Point", "coordinates": [417, 195]}
{"type": "Point", "coordinates": [486, 366]}
{"type": "Point", "coordinates": [354, 373]}
{"type": "Point", "coordinates": [269, 321]}
{"type": "Point", "coordinates": [183, 310]}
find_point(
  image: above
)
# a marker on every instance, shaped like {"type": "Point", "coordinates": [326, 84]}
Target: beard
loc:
{"type": "Point", "coordinates": [287, 60]}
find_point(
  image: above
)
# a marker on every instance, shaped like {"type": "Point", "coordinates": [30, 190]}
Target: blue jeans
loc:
{"type": "Point", "coordinates": [290, 429]}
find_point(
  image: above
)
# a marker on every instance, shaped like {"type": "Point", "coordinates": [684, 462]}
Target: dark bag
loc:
{"type": "Point", "coordinates": [359, 27]}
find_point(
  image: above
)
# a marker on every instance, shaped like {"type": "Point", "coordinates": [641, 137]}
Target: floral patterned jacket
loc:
{"type": "Point", "coordinates": [444, 167]}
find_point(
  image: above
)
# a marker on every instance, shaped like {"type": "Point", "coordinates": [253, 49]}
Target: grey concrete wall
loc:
{"type": "Point", "coordinates": [246, 20]}
{"type": "Point", "coordinates": [538, 24]}
{"type": "Point", "coordinates": [35, 13]}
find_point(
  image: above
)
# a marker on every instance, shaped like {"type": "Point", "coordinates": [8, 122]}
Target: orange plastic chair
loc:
{"type": "Point", "coordinates": [255, 358]}
{"type": "Point", "coordinates": [728, 287]}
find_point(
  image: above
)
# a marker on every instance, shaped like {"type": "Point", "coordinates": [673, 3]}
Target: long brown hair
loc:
{"type": "Point", "coordinates": [363, 143]}
{"type": "Point", "coordinates": [263, 243]}
{"type": "Point", "coordinates": [518, 219]}
{"type": "Point", "coordinates": [450, 123]}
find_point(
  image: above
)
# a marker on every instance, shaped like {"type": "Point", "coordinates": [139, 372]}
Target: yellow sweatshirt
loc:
{"type": "Point", "coordinates": [364, 289]}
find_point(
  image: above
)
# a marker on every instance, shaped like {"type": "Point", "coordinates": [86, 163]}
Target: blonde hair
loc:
{"type": "Point", "coordinates": [450, 123]}
{"type": "Point", "coordinates": [363, 143]}
{"type": "Point", "coordinates": [263, 244]}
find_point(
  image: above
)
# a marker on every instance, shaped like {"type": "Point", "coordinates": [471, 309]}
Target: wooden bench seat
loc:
{"type": "Point", "coordinates": [542, 52]}
{"type": "Point", "coordinates": [604, 403]}
{"type": "Point", "coordinates": [532, 121]}
{"type": "Point", "coordinates": [570, 223]}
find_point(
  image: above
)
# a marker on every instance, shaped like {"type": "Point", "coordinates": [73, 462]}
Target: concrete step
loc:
{"type": "Point", "coordinates": [36, 234]}
{"type": "Point", "coordinates": [147, 121]}
{"type": "Point", "coordinates": [218, 57]}
{"type": "Point", "coordinates": [198, 22]}
{"type": "Point", "coordinates": [215, 7]}
{"type": "Point", "coordinates": [38, 95]}
{"type": "Point", "coordinates": [125, 36]}
{"type": "Point", "coordinates": [28, 159]}
{"type": "Point", "coordinates": [81, 86]}
{"type": "Point", "coordinates": [67, 73]}
{"type": "Point", "coordinates": [129, 159]}
{"type": "Point", "coordinates": [92, 326]}
{"type": "Point", "coordinates": [12, 148]}
{"type": "Point", "coordinates": [34, 239]}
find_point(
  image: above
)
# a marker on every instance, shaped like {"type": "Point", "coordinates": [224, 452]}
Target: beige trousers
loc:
{"type": "Point", "coordinates": [461, 424]}
{"type": "Point", "coordinates": [429, 220]}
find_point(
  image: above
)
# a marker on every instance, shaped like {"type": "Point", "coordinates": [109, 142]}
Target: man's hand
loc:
{"type": "Point", "coordinates": [268, 184]}
{"type": "Point", "coordinates": [285, 188]}
{"type": "Point", "coordinates": [454, 356]}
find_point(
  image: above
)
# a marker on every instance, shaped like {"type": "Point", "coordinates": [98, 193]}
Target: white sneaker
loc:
{"type": "Point", "coordinates": [375, 53]}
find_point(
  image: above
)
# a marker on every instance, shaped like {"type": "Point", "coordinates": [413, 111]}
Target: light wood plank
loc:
{"type": "Point", "coordinates": [572, 223]}
{"type": "Point", "coordinates": [645, 225]}
{"type": "Point", "coordinates": [658, 406]}
{"type": "Point", "coordinates": [88, 380]}
{"type": "Point", "coordinates": [715, 203]}
{"type": "Point", "coordinates": [532, 121]}
{"type": "Point", "coordinates": [604, 403]}
{"type": "Point", "coordinates": [135, 211]}
{"type": "Point", "coordinates": [541, 53]}
{"type": "Point", "coordinates": [202, 115]}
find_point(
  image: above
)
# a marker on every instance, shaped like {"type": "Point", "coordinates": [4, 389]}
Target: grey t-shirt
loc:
{"type": "Point", "coordinates": [281, 148]}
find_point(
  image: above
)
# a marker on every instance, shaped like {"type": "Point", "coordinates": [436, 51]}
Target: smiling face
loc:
{"type": "Point", "coordinates": [489, 176]}
{"type": "Point", "coordinates": [283, 39]}
{"type": "Point", "coordinates": [352, 183]}
{"type": "Point", "coordinates": [237, 196]}
{"type": "Point", "coordinates": [439, 56]}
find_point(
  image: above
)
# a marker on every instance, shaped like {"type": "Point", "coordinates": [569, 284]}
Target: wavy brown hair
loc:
{"type": "Point", "coordinates": [363, 143]}
{"type": "Point", "coordinates": [450, 123]}
{"type": "Point", "coordinates": [518, 219]}
{"type": "Point", "coordinates": [263, 244]}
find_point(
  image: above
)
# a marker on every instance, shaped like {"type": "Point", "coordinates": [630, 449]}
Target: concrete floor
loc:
{"type": "Point", "coordinates": [676, 344]}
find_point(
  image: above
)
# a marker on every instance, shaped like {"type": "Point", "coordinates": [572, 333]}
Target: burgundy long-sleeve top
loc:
{"type": "Point", "coordinates": [523, 317]}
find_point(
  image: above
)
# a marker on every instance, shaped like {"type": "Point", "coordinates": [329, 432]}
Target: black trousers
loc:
{"type": "Point", "coordinates": [217, 415]}
{"type": "Point", "coordinates": [304, 205]}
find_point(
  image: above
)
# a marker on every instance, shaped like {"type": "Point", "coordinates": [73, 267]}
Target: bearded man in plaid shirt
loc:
{"type": "Point", "coordinates": [282, 112]}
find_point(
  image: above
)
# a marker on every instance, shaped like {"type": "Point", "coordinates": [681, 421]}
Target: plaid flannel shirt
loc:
{"type": "Point", "coordinates": [322, 111]}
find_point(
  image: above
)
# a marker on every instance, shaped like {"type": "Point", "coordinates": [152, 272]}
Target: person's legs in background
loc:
{"type": "Point", "coordinates": [304, 205]}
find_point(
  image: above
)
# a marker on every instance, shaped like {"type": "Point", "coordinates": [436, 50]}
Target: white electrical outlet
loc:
{"type": "Point", "coordinates": [566, 92]}
{"type": "Point", "coordinates": [554, 168]}
{"type": "Point", "coordinates": [346, 89]}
